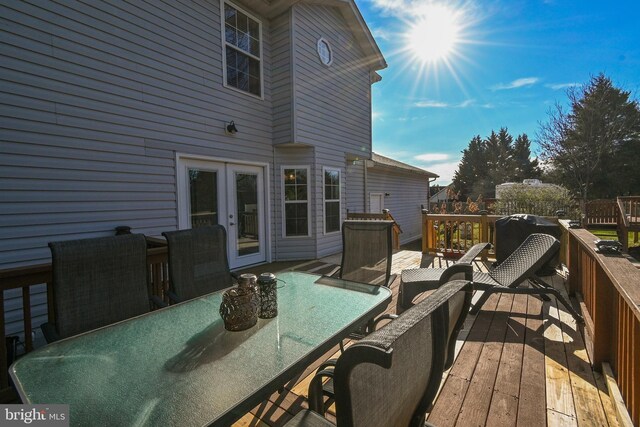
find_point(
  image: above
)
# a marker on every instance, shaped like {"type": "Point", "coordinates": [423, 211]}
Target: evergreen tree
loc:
{"type": "Point", "coordinates": [494, 160]}
{"type": "Point", "coordinates": [525, 167]}
{"type": "Point", "coordinates": [595, 148]}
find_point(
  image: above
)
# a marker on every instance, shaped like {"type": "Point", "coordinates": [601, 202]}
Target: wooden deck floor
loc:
{"type": "Point", "coordinates": [519, 361]}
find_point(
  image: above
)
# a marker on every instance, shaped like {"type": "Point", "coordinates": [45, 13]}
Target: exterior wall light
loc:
{"type": "Point", "coordinates": [231, 128]}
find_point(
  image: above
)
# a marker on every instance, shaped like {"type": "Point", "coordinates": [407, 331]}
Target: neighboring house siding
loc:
{"type": "Point", "coordinates": [332, 104]}
{"type": "Point", "coordinates": [407, 192]}
{"type": "Point", "coordinates": [97, 98]}
{"type": "Point", "coordinates": [298, 247]}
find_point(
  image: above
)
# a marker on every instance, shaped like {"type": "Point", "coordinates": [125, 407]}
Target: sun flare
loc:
{"type": "Point", "coordinates": [435, 33]}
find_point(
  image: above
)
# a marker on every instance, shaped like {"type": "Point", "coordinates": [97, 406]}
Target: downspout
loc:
{"type": "Point", "coordinates": [364, 165]}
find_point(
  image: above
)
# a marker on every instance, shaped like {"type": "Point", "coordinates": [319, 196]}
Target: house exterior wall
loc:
{"type": "Point", "coordinates": [99, 99]}
{"type": "Point", "coordinates": [355, 179]}
{"type": "Point", "coordinates": [407, 191]}
{"type": "Point", "coordinates": [332, 104]}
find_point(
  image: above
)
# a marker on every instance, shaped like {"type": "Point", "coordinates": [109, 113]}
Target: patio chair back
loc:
{"type": "Point", "coordinates": [367, 251]}
{"type": "Point", "coordinates": [391, 377]}
{"type": "Point", "coordinates": [528, 258]}
{"type": "Point", "coordinates": [98, 281]}
{"type": "Point", "coordinates": [198, 262]}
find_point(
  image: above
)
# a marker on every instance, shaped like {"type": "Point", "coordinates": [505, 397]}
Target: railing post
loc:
{"type": "Point", "coordinates": [484, 232]}
{"type": "Point", "coordinates": [425, 231]}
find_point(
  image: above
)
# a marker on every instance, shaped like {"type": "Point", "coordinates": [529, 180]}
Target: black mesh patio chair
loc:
{"type": "Point", "coordinates": [414, 281]}
{"type": "Point", "coordinates": [517, 269]}
{"type": "Point", "coordinates": [198, 262]}
{"type": "Point", "coordinates": [367, 248]}
{"type": "Point", "coordinates": [391, 377]}
{"type": "Point", "coordinates": [97, 282]}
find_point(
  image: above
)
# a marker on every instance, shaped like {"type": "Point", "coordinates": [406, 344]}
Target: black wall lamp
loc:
{"type": "Point", "coordinates": [231, 128]}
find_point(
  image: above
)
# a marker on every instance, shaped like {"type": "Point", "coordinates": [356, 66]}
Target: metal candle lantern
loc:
{"type": "Point", "coordinates": [239, 308]}
{"type": "Point", "coordinates": [268, 296]}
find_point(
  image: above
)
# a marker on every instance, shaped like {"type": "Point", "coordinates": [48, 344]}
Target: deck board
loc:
{"type": "Point", "coordinates": [518, 362]}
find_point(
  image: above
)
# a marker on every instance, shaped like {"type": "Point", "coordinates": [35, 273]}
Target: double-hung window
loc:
{"type": "Point", "coordinates": [242, 51]}
{"type": "Point", "coordinates": [296, 201]}
{"type": "Point", "coordinates": [331, 181]}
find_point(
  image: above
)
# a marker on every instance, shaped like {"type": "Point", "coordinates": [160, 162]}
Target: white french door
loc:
{"type": "Point", "coordinates": [229, 194]}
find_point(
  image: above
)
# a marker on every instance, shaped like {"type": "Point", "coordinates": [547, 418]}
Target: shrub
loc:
{"type": "Point", "coordinates": [544, 201]}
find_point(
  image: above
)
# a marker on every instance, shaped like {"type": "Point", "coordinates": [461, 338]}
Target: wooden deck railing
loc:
{"type": "Point", "coordinates": [628, 220]}
{"type": "Point", "coordinates": [600, 212]}
{"type": "Point", "coordinates": [26, 277]}
{"type": "Point", "coordinates": [608, 290]}
{"type": "Point", "coordinates": [385, 215]}
{"type": "Point", "coordinates": [454, 234]}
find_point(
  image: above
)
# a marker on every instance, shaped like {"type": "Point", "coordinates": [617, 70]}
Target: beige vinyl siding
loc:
{"type": "Point", "coordinates": [407, 191]}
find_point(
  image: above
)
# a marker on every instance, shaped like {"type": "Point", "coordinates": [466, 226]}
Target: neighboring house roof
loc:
{"type": "Point", "coordinates": [350, 12]}
{"type": "Point", "coordinates": [440, 195]}
{"type": "Point", "coordinates": [379, 160]}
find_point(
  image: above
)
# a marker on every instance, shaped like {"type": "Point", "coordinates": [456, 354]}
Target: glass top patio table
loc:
{"type": "Point", "coordinates": [179, 366]}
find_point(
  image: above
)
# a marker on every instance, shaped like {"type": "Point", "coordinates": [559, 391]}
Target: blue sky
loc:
{"type": "Point", "coordinates": [511, 61]}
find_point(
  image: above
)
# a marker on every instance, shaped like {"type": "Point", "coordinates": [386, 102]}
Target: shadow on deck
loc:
{"type": "Point", "coordinates": [519, 361]}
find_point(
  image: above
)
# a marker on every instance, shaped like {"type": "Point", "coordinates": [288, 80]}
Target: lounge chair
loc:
{"type": "Point", "coordinates": [414, 281]}
{"type": "Point", "coordinates": [97, 282]}
{"type": "Point", "coordinates": [391, 377]}
{"type": "Point", "coordinates": [518, 268]}
{"type": "Point", "coordinates": [366, 251]}
{"type": "Point", "coordinates": [198, 262]}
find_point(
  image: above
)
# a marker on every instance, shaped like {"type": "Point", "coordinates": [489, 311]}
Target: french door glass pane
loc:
{"type": "Point", "coordinates": [248, 239]}
{"type": "Point", "coordinates": [203, 191]}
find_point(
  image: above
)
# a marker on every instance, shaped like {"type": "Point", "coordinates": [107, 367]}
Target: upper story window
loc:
{"type": "Point", "coordinates": [331, 181]}
{"type": "Point", "coordinates": [243, 51]}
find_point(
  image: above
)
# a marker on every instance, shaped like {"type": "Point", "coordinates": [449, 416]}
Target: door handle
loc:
{"type": "Point", "coordinates": [232, 223]}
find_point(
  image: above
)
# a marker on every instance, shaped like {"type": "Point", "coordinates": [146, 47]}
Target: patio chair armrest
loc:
{"type": "Point", "coordinates": [316, 394]}
{"type": "Point", "coordinates": [335, 272]}
{"type": "Point", "coordinates": [157, 302]}
{"type": "Point", "coordinates": [388, 316]}
{"type": "Point", "coordinates": [329, 363]}
{"type": "Point", "coordinates": [49, 332]}
{"type": "Point", "coordinates": [459, 268]}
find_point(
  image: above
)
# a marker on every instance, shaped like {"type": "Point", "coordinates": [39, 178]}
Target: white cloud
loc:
{"type": "Point", "coordinates": [517, 83]}
{"type": "Point", "coordinates": [381, 33]}
{"type": "Point", "coordinates": [466, 103]}
{"type": "Point", "coordinates": [432, 157]}
{"type": "Point", "coordinates": [445, 170]}
{"type": "Point", "coordinates": [558, 86]}
{"type": "Point", "coordinates": [431, 104]}
{"type": "Point", "coordinates": [376, 116]}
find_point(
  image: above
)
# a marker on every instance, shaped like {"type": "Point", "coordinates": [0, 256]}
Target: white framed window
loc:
{"type": "Point", "coordinates": [296, 213]}
{"type": "Point", "coordinates": [331, 197]}
{"type": "Point", "coordinates": [242, 44]}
